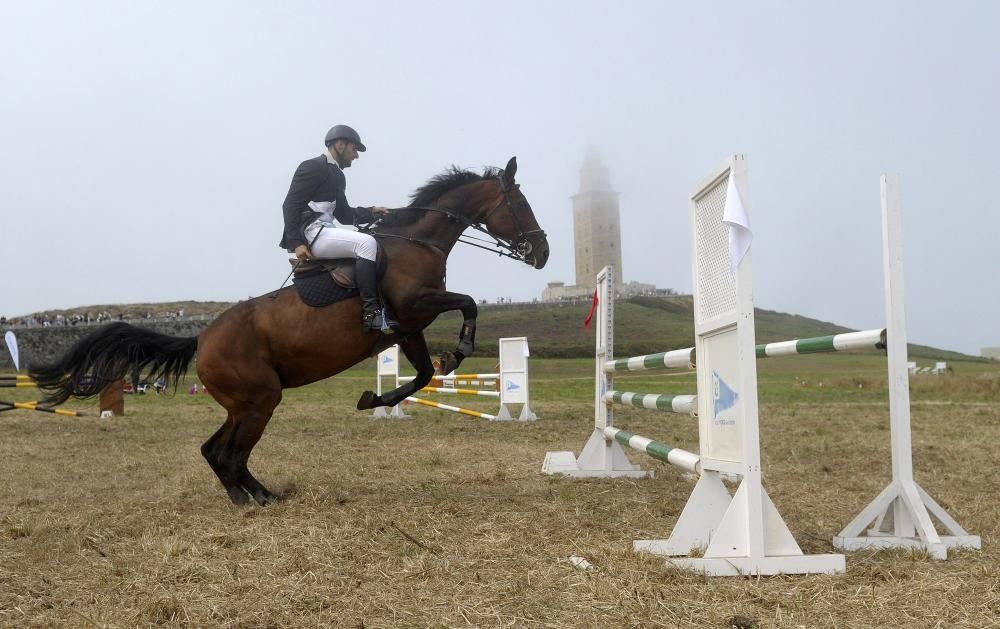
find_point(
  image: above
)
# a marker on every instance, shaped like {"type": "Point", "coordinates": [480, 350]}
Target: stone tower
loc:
{"type": "Point", "coordinates": [596, 223]}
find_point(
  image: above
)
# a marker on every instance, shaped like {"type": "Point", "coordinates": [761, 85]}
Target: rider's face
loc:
{"type": "Point", "coordinates": [345, 152]}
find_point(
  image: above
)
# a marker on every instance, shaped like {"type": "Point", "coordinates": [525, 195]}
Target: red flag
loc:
{"type": "Point", "coordinates": [590, 315]}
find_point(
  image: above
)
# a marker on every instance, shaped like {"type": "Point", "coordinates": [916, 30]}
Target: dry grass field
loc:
{"type": "Point", "coordinates": [443, 520]}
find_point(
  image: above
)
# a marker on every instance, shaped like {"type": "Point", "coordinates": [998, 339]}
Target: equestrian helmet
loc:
{"type": "Point", "coordinates": [343, 132]}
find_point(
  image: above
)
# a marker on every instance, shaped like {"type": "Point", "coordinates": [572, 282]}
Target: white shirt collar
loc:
{"type": "Point", "coordinates": [330, 159]}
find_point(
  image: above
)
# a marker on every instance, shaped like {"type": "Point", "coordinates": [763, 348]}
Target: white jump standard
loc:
{"type": "Point", "coordinates": [900, 516]}
{"type": "Point", "coordinates": [387, 365]}
{"type": "Point", "coordinates": [509, 384]}
{"type": "Point", "coordinates": [742, 534]}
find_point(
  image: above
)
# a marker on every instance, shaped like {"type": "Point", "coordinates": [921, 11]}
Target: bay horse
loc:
{"type": "Point", "coordinates": [259, 347]}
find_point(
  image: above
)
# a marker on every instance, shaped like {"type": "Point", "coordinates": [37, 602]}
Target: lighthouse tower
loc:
{"type": "Point", "coordinates": [596, 223]}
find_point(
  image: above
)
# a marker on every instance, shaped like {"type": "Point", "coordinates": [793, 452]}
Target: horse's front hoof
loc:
{"type": "Point", "coordinates": [366, 401]}
{"type": "Point", "coordinates": [448, 363]}
{"type": "Point", "coordinates": [238, 495]}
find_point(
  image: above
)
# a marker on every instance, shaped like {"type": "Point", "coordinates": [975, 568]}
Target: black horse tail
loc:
{"type": "Point", "coordinates": [110, 353]}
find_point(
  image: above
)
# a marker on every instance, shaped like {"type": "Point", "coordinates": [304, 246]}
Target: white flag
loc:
{"type": "Point", "coordinates": [12, 346]}
{"type": "Point", "coordinates": [736, 217]}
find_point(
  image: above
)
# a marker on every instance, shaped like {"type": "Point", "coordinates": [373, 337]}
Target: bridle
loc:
{"type": "Point", "coordinates": [520, 246]}
{"type": "Point", "coordinates": [517, 248]}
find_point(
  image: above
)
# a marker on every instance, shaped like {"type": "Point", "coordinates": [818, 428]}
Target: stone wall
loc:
{"type": "Point", "coordinates": [42, 344]}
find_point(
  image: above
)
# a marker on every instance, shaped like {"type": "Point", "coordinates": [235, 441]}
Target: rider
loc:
{"type": "Point", "coordinates": [315, 198]}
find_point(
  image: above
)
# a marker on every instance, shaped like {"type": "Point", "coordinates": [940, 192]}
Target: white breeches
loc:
{"type": "Point", "coordinates": [337, 242]}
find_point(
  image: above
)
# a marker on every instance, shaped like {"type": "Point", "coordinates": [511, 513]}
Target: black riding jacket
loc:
{"type": "Point", "coordinates": [316, 179]}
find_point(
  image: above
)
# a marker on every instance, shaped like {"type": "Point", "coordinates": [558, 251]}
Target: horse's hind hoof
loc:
{"type": "Point", "coordinates": [264, 498]}
{"type": "Point", "coordinates": [366, 401]}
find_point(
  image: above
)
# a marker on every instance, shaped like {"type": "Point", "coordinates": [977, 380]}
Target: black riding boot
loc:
{"type": "Point", "coordinates": [366, 276]}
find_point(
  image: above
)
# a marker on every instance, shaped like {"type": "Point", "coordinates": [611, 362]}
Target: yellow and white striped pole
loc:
{"type": "Point", "coordinates": [16, 381]}
{"type": "Point", "coordinates": [453, 409]}
{"type": "Point", "coordinates": [33, 406]}
{"type": "Point", "coordinates": [461, 391]}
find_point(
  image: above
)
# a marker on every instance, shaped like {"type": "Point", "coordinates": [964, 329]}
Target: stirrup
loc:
{"type": "Point", "coordinates": [378, 321]}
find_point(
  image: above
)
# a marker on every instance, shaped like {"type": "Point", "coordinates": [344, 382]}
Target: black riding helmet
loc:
{"type": "Point", "coordinates": [343, 132]}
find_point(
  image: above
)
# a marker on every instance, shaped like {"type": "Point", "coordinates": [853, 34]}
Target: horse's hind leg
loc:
{"type": "Point", "coordinates": [246, 434]}
{"type": "Point", "coordinates": [212, 451]}
{"type": "Point", "coordinates": [228, 450]}
{"type": "Point", "coordinates": [250, 404]}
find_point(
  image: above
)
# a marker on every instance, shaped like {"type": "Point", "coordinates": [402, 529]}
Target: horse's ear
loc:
{"type": "Point", "coordinates": [508, 172]}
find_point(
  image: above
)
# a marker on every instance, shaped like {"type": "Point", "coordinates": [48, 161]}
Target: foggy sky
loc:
{"type": "Point", "coordinates": [148, 146]}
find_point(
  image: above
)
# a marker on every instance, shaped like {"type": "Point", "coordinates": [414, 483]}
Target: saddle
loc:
{"type": "Point", "coordinates": [324, 281]}
{"type": "Point", "coordinates": [321, 283]}
{"type": "Point", "coordinates": [341, 270]}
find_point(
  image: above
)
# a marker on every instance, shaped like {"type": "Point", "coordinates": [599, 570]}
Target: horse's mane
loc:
{"type": "Point", "coordinates": [435, 188]}
{"type": "Point", "coordinates": [439, 185]}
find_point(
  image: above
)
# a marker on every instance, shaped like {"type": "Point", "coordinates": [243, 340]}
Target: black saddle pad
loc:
{"type": "Point", "coordinates": [320, 290]}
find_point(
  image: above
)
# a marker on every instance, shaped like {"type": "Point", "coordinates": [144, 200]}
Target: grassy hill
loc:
{"type": "Point", "coordinates": [643, 325]}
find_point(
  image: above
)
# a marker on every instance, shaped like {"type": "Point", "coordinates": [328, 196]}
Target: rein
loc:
{"type": "Point", "coordinates": [516, 249]}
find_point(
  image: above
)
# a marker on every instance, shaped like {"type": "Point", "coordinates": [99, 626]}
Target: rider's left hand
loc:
{"type": "Point", "coordinates": [380, 211]}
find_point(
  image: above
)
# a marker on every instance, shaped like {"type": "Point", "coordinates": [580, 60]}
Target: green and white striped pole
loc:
{"type": "Point", "coordinates": [675, 359]}
{"type": "Point", "coordinates": [868, 339]}
{"type": "Point", "coordinates": [672, 403]}
{"type": "Point", "coordinates": [668, 454]}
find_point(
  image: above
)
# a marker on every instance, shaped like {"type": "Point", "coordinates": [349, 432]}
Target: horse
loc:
{"type": "Point", "coordinates": [259, 347]}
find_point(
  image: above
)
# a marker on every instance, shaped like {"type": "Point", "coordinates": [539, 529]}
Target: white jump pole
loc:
{"type": "Point", "coordinates": [900, 516]}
